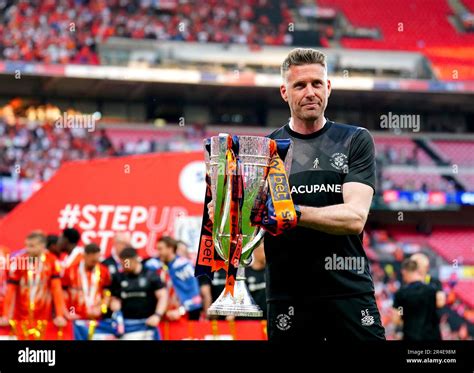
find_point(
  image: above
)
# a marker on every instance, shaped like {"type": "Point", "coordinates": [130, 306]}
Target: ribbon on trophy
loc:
{"type": "Point", "coordinates": [207, 261]}
{"type": "Point", "coordinates": [236, 198]}
{"type": "Point", "coordinates": [274, 211]}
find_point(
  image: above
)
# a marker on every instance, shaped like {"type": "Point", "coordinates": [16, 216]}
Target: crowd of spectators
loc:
{"type": "Point", "coordinates": [68, 31]}
{"type": "Point", "coordinates": [34, 143]}
{"type": "Point", "coordinates": [33, 146]}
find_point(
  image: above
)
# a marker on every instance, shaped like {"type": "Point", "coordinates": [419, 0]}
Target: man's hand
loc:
{"type": "Point", "coordinates": [153, 321]}
{"type": "Point", "coordinates": [94, 313]}
{"type": "Point", "coordinates": [210, 210]}
{"type": "Point", "coordinates": [115, 304]}
{"type": "Point", "coordinates": [173, 315]}
{"type": "Point", "coordinates": [59, 321]}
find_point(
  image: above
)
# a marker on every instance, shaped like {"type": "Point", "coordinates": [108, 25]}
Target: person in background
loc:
{"type": "Point", "coordinates": [423, 263]}
{"type": "Point", "coordinates": [86, 284]}
{"type": "Point", "coordinates": [255, 279]}
{"type": "Point", "coordinates": [71, 252]}
{"type": "Point", "coordinates": [52, 245]}
{"type": "Point", "coordinates": [34, 286]}
{"type": "Point", "coordinates": [137, 291]}
{"type": "Point", "coordinates": [113, 264]}
{"type": "Point", "coordinates": [205, 289]}
{"type": "Point", "coordinates": [415, 305]}
{"type": "Point", "coordinates": [211, 290]}
{"type": "Point", "coordinates": [203, 281]}
{"type": "Point", "coordinates": [182, 250]}
{"type": "Point", "coordinates": [185, 297]}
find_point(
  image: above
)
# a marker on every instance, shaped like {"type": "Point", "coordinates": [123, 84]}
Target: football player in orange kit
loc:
{"type": "Point", "coordinates": [86, 283]}
{"type": "Point", "coordinates": [34, 286]}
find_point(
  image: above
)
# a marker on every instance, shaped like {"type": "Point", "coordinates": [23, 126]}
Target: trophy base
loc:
{"type": "Point", "coordinates": [237, 311]}
{"type": "Point", "coordinates": [239, 305]}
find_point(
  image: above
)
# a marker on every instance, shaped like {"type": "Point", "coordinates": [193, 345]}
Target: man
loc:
{"type": "Point", "coordinates": [185, 297]}
{"type": "Point", "coordinates": [255, 278]}
{"type": "Point", "coordinates": [34, 286]}
{"type": "Point", "coordinates": [68, 244]}
{"type": "Point", "coordinates": [415, 304]}
{"type": "Point", "coordinates": [182, 249]}
{"type": "Point", "coordinates": [52, 245]}
{"type": "Point", "coordinates": [86, 284]}
{"type": "Point", "coordinates": [138, 292]}
{"type": "Point", "coordinates": [332, 183]}
{"type": "Point", "coordinates": [113, 264]}
{"type": "Point", "coordinates": [423, 264]}
{"type": "Point", "coordinates": [211, 290]}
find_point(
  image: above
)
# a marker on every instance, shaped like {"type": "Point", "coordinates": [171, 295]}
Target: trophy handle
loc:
{"type": "Point", "coordinates": [252, 244]}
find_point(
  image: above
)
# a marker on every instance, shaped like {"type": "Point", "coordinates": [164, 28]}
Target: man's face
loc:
{"type": "Point", "coordinates": [34, 247]}
{"type": "Point", "coordinates": [119, 245]}
{"type": "Point", "coordinates": [164, 251]}
{"type": "Point", "coordinates": [306, 90]}
{"type": "Point", "coordinates": [182, 250]}
{"type": "Point", "coordinates": [129, 265]}
{"type": "Point", "coordinates": [62, 243]}
{"type": "Point", "coordinates": [91, 260]}
{"type": "Point", "coordinates": [54, 248]}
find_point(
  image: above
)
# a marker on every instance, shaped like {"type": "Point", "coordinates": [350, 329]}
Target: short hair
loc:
{"type": "Point", "coordinates": [51, 239]}
{"type": "Point", "coordinates": [121, 237]}
{"type": "Point", "coordinates": [92, 248]}
{"type": "Point", "coordinates": [303, 56]}
{"type": "Point", "coordinates": [72, 235]}
{"type": "Point", "coordinates": [128, 253]}
{"type": "Point", "coordinates": [36, 235]}
{"type": "Point", "coordinates": [409, 265]}
{"type": "Point", "coordinates": [421, 259]}
{"type": "Point", "coordinates": [181, 242]}
{"type": "Point", "coordinates": [170, 242]}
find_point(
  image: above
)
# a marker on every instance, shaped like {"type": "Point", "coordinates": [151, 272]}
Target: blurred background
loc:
{"type": "Point", "coordinates": [86, 86]}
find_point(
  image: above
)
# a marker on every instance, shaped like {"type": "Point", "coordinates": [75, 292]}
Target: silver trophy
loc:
{"type": "Point", "coordinates": [254, 154]}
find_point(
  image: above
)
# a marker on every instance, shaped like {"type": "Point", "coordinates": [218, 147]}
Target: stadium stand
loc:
{"type": "Point", "coordinates": [400, 29]}
{"type": "Point", "coordinates": [455, 152]}
{"type": "Point", "coordinates": [452, 244]}
{"type": "Point", "coordinates": [401, 150]}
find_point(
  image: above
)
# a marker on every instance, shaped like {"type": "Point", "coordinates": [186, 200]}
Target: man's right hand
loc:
{"type": "Point", "coordinates": [210, 210]}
